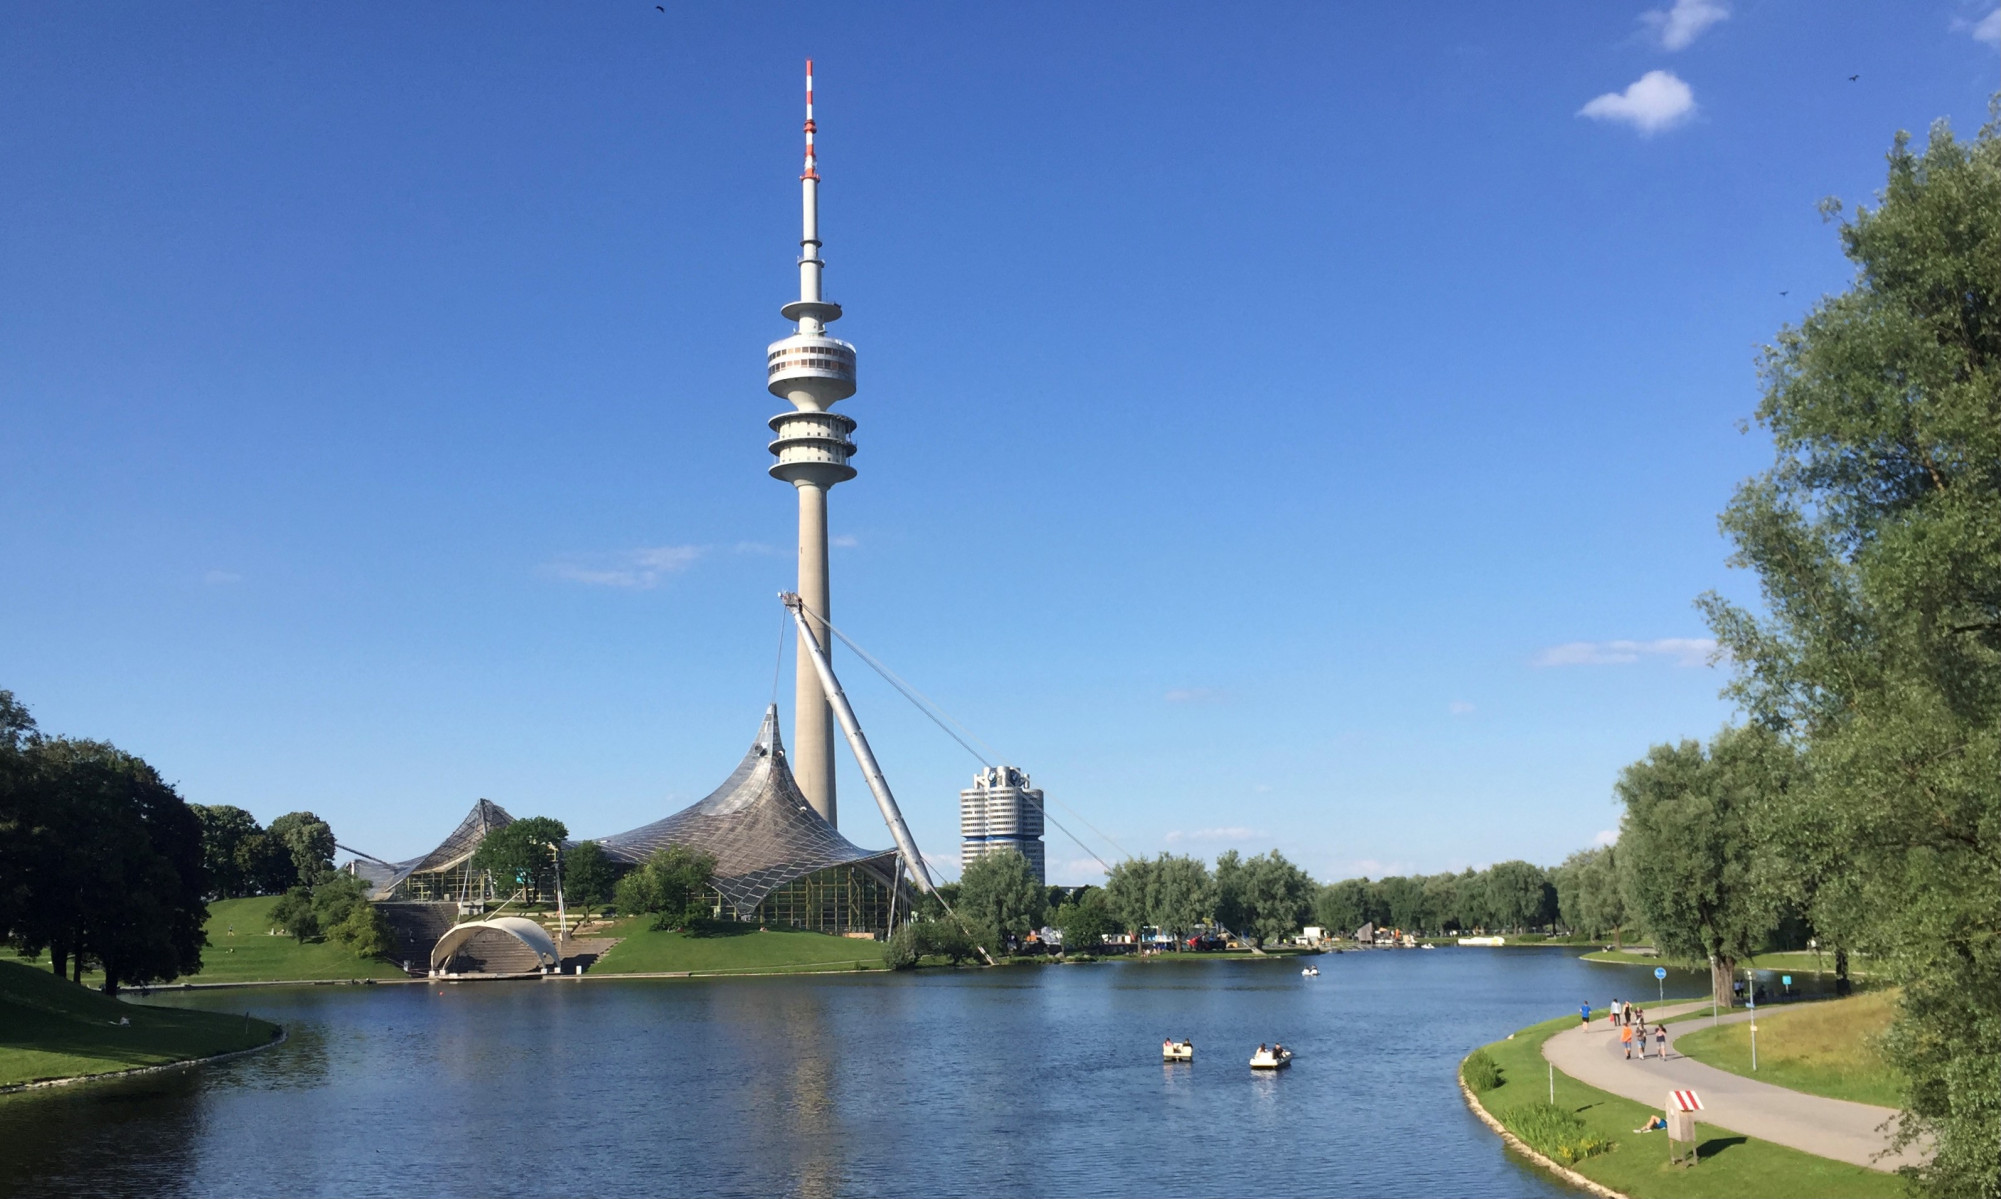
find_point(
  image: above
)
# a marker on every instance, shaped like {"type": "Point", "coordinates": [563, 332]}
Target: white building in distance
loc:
{"type": "Point", "coordinates": [1001, 811]}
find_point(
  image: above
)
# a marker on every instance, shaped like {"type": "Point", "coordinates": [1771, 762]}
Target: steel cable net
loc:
{"type": "Point", "coordinates": [765, 837]}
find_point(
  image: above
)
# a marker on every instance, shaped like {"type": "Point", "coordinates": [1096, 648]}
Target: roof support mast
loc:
{"type": "Point", "coordinates": [845, 713]}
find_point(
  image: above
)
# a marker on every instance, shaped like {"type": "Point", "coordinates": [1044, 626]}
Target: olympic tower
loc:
{"type": "Point", "coordinates": [815, 372]}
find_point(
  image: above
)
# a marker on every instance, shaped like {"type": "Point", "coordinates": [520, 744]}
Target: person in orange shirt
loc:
{"type": "Point", "coordinates": [1626, 1039]}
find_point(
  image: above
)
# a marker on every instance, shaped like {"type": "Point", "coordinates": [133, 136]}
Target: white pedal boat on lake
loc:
{"type": "Point", "coordinates": [1271, 1059]}
{"type": "Point", "coordinates": [1311, 972]}
{"type": "Point", "coordinates": [1177, 1051]}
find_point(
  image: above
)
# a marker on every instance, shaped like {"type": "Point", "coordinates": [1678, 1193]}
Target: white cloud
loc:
{"type": "Point", "coordinates": [1459, 707]}
{"type": "Point", "coordinates": [221, 578]}
{"type": "Point", "coordinates": [1657, 100]}
{"type": "Point", "coordinates": [639, 569]}
{"type": "Point", "coordinates": [1190, 695]}
{"type": "Point", "coordinates": [1372, 868]}
{"type": "Point", "coordinates": [1676, 27]}
{"type": "Point", "coordinates": [1986, 29]}
{"type": "Point", "coordinates": [845, 541]}
{"type": "Point", "coordinates": [1686, 651]}
{"type": "Point", "coordinates": [1608, 836]}
{"type": "Point", "coordinates": [1232, 833]}
{"type": "Point", "coordinates": [756, 549]}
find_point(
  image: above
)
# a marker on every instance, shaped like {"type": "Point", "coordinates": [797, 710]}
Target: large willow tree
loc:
{"type": "Point", "coordinates": [1876, 539]}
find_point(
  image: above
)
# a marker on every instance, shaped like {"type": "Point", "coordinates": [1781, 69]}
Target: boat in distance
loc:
{"type": "Point", "coordinates": [1276, 1058]}
{"type": "Point", "coordinates": [1177, 1051]}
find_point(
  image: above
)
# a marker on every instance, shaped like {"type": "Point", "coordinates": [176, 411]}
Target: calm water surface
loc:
{"type": "Point", "coordinates": [1016, 1081]}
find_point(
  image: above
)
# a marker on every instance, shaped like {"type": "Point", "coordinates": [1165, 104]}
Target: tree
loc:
{"type": "Point", "coordinates": [999, 891]}
{"type": "Point", "coordinates": [671, 883]}
{"type": "Point", "coordinates": [118, 879]}
{"type": "Point", "coordinates": [923, 938]}
{"type": "Point", "coordinates": [1084, 921]}
{"type": "Point", "coordinates": [1277, 897]}
{"type": "Point", "coordinates": [588, 876]}
{"type": "Point", "coordinates": [1343, 907]}
{"type": "Point", "coordinates": [224, 828]}
{"type": "Point", "coordinates": [1128, 893]}
{"type": "Point", "coordinates": [294, 914]}
{"type": "Point", "coordinates": [1687, 866]}
{"type": "Point", "coordinates": [1182, 897]}
{"type": "Point", "coordinates": [1587, 891]}
{"type": "Point", "coordinates": [310, 841]}
{"type": "Point", "coordinates": [1876, 541]}
{"type": "Point", "coordinates": [20, 837]}
{"type": "Point", "coordinates": [265, 865]}
{"type": "Point", "coordinates": [1518, 894]}
{"type": "Point", "coordinates": [523, 854]}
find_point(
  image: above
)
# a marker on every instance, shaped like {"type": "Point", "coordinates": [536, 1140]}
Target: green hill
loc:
{"type": "Point", "coordinates": [241, 949]}
{"type": "Point", "coordinates": [50, 1028]}
{"type": "Point", "coordinates": [738, 949]}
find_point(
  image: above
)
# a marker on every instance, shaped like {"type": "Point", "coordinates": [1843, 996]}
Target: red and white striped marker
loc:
{"type": "Point", "coordinates": [812, 161]}
{"type": "Point", "coordinates": [1684, 1101]}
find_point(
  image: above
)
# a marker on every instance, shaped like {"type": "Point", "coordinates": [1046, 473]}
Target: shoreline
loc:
{"type": "Point", "coordinates": [44, 1084]}
{"type": "Point", "coordinates": [1519, 1146]}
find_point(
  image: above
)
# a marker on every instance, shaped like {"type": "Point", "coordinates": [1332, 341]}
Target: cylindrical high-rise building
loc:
{"type": "Point", "coordinates": [813, 371]}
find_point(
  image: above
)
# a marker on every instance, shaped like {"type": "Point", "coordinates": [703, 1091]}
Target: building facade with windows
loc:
{"type": "Point", "coordinates": [1001, 811]}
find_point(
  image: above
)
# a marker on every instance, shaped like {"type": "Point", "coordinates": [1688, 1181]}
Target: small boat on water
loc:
{"type": "Point", "coordinates": [1311, 972]}
{"type": "Point", "coordinates": [1177, 1051]}
{"type": "Point", "coordinates": [1427, 945]}
{"type": "Point", "coordinates": [1487, 941]}
{"type": "Point", "coordinates": [1275, 1058]}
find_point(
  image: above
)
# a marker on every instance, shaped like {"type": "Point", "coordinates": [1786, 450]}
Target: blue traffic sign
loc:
{"type": "Point", "coordinates": [1660, 971]}
{"type": "Point", "coordinates": [1787, 979]}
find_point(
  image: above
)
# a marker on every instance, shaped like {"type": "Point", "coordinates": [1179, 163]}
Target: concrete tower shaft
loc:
{"type": "Point", "coordinates": [811, 442]}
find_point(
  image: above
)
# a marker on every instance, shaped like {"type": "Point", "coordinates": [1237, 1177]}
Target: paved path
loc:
{"type": "Point", "coordinates": [1836, 1128]}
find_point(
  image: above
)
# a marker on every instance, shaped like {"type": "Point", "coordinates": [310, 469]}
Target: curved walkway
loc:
{"type": "Point", "coordinates": [1857, 1133]}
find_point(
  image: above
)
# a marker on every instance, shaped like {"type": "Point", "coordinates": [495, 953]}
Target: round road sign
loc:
{"type": "Point", "coordinates": [1660, 971]}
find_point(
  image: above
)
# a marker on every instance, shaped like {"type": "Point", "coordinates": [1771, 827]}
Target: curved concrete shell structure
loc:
{"type": "Point", "coordinates": [777, 860]}
{"type": "Point", "coordinates": [466, 937]}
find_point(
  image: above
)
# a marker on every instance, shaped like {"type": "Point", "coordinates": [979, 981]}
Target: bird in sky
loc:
{"type": "Point", "coordinates": [1853, 78]}
{"type": "Point", "coordinates": [1785, 293]}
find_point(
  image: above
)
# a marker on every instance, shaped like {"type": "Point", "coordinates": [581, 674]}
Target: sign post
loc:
{"type": "Point", "coordinates": [1681, 1109]}
{"type": "Point", "coordinates": [1660, 975]}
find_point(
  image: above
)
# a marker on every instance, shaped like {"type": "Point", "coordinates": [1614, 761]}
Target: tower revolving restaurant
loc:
{"type": "Point", "coordinates": [778, 862]}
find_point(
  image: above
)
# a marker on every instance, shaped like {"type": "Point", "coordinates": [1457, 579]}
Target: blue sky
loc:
{"type": "Point", "coordinates": [1301, 429]}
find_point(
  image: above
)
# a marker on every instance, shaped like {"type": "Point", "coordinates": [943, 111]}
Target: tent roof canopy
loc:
{"type": "Point", "coordinates": [758, 826]}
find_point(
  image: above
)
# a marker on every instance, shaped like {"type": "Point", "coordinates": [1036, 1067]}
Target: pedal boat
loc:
{"type": "Point", "coordinates": [1265, 1059]}
{"type": "Point", "coordinates": [1177, 1051]}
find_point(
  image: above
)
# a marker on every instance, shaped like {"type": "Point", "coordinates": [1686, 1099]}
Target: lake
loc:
{"type": "Point", "coordinates": [1028, 1080]}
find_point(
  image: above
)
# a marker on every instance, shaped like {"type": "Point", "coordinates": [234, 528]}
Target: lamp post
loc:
{"type": "Point", "coordinates": [1751, 998]}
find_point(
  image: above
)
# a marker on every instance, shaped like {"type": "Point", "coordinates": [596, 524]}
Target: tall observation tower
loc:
{"type": "Point", "coordinates": [815, 372]}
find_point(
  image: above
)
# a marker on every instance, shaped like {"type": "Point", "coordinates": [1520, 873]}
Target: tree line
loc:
{"type": "Point", "coordinates": [1859, 798]}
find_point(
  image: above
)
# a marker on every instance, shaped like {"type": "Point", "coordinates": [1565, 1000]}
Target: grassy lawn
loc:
{"type": "Point", "coordinates": [250, 954]}
{"type": "Point", "coordinates": [1636, 1164]}
{"type": "Point", "coordinates": [1804, 961]}
{"type": "Point", "coordinates": [733, 949]}
{"type": "Point", "coordinates": [1826, 1048]}
{"type": "Point", "coordinates": [50, 1028]}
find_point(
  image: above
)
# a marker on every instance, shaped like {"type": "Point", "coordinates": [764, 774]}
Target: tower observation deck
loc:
{"type": "Point", "coordinates": [811, 442]}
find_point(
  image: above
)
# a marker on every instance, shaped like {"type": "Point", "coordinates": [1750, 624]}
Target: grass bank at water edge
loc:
{"type": "Point", "coordinates": [733, 949]}
{"type": "Point", "coordinates": [51, 1028]}
{"type": "Point", "coordinates": [1635, 1163]}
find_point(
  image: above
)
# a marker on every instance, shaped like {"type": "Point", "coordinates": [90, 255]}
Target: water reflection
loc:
{"type": "Point", "coordinates": [1019, 1081]}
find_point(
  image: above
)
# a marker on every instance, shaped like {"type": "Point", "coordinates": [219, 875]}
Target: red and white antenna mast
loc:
{"type": "Point", "coordinates": [812, 163]}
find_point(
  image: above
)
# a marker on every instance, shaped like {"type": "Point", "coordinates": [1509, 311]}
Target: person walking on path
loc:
{"type": "Point", "coordinates": [1626, 1039]}
{"type": "Point", "coordinates": [1612, 1013]}
{"type": "Point", "coordinates": [1584, 1014]}
{"type": "Point", "coordinates": [1660, 1041]}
